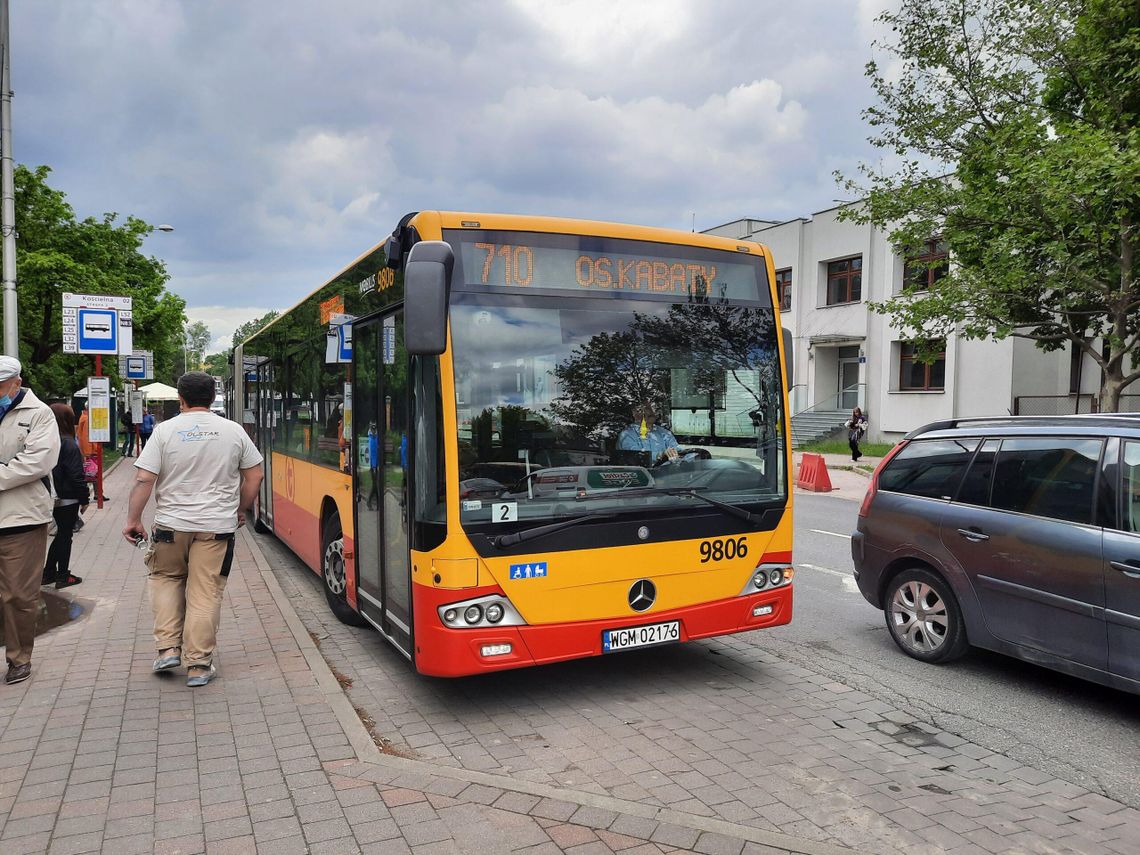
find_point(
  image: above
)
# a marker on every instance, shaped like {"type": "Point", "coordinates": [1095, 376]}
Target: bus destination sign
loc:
{"type": "Point", "coordinates": [525, 264]}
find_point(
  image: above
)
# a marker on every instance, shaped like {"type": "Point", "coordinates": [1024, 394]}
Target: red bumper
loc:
{"type": "Point", "coordinates": [444, 652]}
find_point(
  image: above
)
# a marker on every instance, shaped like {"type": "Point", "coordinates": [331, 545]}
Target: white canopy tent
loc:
{"type": "Point", "coordinates": [159, 392]}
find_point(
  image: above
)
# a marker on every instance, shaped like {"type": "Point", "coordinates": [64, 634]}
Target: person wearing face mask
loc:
{"type": "Point", "coordinates": [29, 450]}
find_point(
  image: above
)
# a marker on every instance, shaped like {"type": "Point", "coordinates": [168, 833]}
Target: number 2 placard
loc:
{"type": "Point", "coordinates": [504, 512]}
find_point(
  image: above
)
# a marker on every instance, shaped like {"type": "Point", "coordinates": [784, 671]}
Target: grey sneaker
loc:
{"type": "Point", "coordinates": [170, 660]}
{"type": "Point", "coordinates": [202, 677]}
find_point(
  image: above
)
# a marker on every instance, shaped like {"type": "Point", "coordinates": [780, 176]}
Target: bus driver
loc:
{"type": "Point", "coordinates": [643, 434]}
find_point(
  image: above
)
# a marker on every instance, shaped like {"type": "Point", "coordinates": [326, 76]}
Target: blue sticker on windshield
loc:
{"type": "Point", "coordinates": [534, 570]}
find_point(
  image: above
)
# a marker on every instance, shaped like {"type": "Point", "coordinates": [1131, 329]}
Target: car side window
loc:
{"type": "Point", "coordinates": [1047, 476]}
{"type": "Point", "coordinates": [975, 488]}
{"type": "Point", "coordinates": [930, 468]}
{"type": "Point", "coordinates": [1130, 468]}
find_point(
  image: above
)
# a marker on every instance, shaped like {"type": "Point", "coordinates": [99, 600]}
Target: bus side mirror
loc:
{"type": "Point", "coordinates": [788, 357]}
{"type": "Point", "coordinates": [427, 286]}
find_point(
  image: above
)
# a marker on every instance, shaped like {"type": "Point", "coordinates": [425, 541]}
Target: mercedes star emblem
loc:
{"type": "Point", "coordinates": [642, 593]}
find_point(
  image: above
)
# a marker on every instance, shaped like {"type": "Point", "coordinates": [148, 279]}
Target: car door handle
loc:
{"type": "Point", "coordinates": [974, 536]}
{"type": "Point", "coordinates": [1130, 570]}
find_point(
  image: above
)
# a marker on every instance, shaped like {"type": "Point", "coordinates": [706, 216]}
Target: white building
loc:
{"type": "Point", "coordinates": [846, 355]}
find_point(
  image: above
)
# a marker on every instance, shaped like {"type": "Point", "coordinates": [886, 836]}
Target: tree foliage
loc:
{"type": "Point", "coordinates": [196, 338]}
{"type": "Point", "coordinates": [56, 253]}
{"type": "Point", "coordinates": [217, 364]}
{"type": "Point", "coordinates": [1010, 129]}
{"type": "Point", "coordinates": [250, 327]}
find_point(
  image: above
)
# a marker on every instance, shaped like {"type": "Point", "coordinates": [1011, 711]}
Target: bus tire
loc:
{"type": "Point", "coordinates": [333, 573]}
{"type": "Point", "coordinates": [260, 527]}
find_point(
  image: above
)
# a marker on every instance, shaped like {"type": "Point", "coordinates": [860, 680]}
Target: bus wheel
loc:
{"type": "Point", "coordinates": [333, 571]}
{"type": "Point", "coordinates": [260, 527]}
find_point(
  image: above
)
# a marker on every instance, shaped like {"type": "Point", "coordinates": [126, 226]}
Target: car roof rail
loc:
{"type": "Point", "coordinates": [950, 424]}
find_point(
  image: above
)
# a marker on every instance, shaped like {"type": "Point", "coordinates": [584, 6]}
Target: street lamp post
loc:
{"type": "Point", "coordinates": [8, 193]}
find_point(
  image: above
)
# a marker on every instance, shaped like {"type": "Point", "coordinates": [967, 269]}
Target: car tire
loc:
{"type": "Point", "coordinates": [923, 616]}
{"type": "Point", "coordinates": [333, 573]}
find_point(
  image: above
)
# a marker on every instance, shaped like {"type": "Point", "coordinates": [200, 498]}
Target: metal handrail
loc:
{"type": "Point", "coordinates": [834, 398]}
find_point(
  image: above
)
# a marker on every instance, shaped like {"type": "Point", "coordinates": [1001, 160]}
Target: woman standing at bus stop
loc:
{"type": "Point", "coordinates": [856, 427]}
{"type": "Point", "coordinates": [71, 500]}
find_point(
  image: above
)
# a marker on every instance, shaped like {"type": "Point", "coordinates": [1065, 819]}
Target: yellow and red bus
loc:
{"type": "Point", "coordinates": [505, 440]}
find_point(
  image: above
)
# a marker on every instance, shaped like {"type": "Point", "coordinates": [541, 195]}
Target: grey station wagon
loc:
{"type": "Point", "coordinates": [1019, 535]}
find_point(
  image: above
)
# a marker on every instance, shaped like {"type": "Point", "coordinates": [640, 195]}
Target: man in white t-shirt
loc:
{"type": "Point", "coordinates": [205, 473]}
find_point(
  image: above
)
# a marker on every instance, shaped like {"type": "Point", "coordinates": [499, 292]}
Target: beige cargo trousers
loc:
{"type": "Point", "coordinates": [188, 574]}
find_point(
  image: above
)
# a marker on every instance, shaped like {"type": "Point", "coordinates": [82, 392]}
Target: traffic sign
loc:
{"type": "Point", "coordinates": [99, 324]}
{"type": "Point", "coordinates": [338, 346]}
{"type": "Point", "coordinates": [139, 365]}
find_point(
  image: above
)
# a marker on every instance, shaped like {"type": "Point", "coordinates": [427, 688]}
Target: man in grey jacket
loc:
{"type": "Point", "coordinates": [29, 449]}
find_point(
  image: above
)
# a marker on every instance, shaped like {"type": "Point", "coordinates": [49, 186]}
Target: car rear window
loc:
{"type": "Point", "coordinates": [1047, 476]}
{"type": "Point", "coordinates": [930, 468]}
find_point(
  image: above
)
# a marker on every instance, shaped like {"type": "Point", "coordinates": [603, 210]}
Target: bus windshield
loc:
{"type": "Point", "coordinates": [562, 399]}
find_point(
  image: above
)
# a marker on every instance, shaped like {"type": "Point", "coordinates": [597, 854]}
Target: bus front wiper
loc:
{"type": "Point", "coordinates": [692, 493]}
{"type": "Point", "coordinates": [505, 540]}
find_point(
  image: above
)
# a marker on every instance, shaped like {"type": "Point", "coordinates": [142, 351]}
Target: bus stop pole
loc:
{"type": "Point", "coordinates": [99, 470]}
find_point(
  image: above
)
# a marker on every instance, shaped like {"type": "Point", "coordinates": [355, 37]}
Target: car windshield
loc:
{"type": "Point", "coordinates": [564, 399]}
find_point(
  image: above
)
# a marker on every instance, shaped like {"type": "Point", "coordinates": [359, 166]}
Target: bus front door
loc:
{"type": "Point", "coordinates": [264, 423]}
{"type": "Point", "coordinates": [380, 427]}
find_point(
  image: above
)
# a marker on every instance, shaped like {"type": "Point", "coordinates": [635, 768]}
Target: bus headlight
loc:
{"type": "Point", "coordinates": [767, 576]}
{"type": "Point", "coordinates": [482, 612]}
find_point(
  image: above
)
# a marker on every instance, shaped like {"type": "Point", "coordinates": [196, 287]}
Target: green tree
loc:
{"type": "Point", "coordinates": [1011, 129]}
{"type": "Point", "coordinates": [217, 364]}
{"type": "Point", "coordinates": [250, 327]}
{"type": "Point", "coordinates": [196, 338]}
{"type": "Point", "coordinates": [56, 253]}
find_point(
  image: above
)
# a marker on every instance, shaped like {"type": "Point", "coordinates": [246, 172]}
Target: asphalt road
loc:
{"type": "Point", "coordinates": [1074, 729]}
{"type": "Point", "coordinates": [1067, 727]}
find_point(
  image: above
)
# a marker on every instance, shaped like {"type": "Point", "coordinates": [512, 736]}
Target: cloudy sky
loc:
{"type": "Point", "coordinates": [282, 138]}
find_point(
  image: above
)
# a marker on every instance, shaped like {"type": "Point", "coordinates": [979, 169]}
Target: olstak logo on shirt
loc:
{"type": "Point", "coordinates": [198, 434]}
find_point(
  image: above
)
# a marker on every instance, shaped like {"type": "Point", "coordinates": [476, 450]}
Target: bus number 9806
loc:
{"type": "Point", "coordinates": [726, 549]}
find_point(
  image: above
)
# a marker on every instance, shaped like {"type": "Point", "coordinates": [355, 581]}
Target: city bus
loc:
{"type": "Point", "coordinates": [505, 441]}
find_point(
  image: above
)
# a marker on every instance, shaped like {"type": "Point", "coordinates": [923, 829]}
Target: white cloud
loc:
{"type": "Point", "coordinates": [591, 31]}
{"type": "Point", "coordinates": [222, 321]}
{"type": "Point", "coordinates": [283, 139]}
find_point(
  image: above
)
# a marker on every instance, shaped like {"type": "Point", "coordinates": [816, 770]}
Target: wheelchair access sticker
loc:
{"type": "Point", "coordinates": [534, 570]}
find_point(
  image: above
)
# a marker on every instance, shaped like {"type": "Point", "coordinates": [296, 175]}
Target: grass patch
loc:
{"type": "Point", "coordinates": [836, 446]}
{"type": "Point", "coordinates": [110, 455]}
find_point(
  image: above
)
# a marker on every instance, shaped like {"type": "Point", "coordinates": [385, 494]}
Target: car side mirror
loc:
{"type": "Point", "coordinates": [427, 288]}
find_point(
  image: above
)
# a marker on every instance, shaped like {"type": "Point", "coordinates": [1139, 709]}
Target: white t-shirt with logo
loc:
{"type": "Point", "coordinates": [196, 457]}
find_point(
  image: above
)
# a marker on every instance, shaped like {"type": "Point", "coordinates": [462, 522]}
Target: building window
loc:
{"type": "Point", "coordinates": [1076, 355]}
{"type": "Point", "coordinates": [784, 288]}
{"type": "Point", "coordinates": [844, 280]}
{"type": "Point", "coordinates": [926, 267]}
{"type": "Point", "coordinates": [915, 376]}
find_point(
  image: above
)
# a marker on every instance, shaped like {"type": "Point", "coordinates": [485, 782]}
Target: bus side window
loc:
{"type": "Point", "coordinates": [430, 493]}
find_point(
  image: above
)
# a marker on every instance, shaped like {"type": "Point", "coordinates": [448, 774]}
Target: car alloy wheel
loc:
{"type": "Point", "coordinates": [919, 616]}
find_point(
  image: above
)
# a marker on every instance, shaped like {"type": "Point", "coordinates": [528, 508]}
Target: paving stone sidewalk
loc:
{"type": "Point", "coordinates": [97, 754]}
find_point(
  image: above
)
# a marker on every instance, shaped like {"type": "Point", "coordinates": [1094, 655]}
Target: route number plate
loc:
{"type": "Point", "coordinates": [629, 637]}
